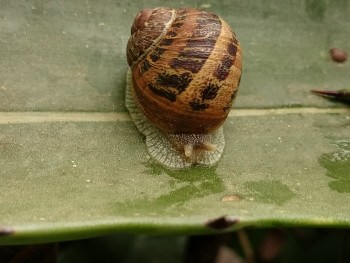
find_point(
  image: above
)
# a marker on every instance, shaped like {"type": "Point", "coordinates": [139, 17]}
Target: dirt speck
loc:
{"type": "Point", "coordinates": [221, 222]}
{"type": "Point", "coordinates": [338, 55]}
{"type": "Point", "coordinates": [230, 198]}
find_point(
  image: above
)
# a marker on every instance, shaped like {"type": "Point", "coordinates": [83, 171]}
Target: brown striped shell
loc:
{"type": "Point", "coordinates": [185, 69]}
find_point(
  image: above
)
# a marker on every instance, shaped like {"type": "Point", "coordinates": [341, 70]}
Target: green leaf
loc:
{"type": "Point", "coordinates": [73, 165]}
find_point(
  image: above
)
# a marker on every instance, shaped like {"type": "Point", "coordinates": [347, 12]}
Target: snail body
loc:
{"type": "Point", "coordinates": [185, 68]}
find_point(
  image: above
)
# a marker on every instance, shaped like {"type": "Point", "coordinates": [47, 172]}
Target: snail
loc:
{"type": "Point", "coordinates": [184, 71]}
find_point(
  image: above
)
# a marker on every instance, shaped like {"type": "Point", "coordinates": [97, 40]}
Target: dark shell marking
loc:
{"type": "Point", "coordinates": [197, 106]}
{"type": "Point", "coordinates": [169, 86]}
{"type": "Point", "coordinates": [201, 44]}
{"type": "Point", "coordinates": [178, 82]}
{"type": "Point", "coordinates": [210, 92]}
{"type": "Point", "coordinates": [157, 54]}
{"type": "Point", "coordinates": [224, 69]}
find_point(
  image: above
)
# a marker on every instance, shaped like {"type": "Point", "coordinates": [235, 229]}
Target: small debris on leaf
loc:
{"type": "Point", "coordinates": [338, 55]}
{"type": "Point", "coordinates": [343, 94]}
{"type": "Point", "coordinates": [230, 198]}
{"type": "Point", "coordinates": [221, 222]}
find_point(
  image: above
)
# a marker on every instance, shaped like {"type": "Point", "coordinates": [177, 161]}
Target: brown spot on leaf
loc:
{"type": "Point", "coordinates": [338, 55]}
{"type": "Point", "coordinates": [6, 231]}
{"type": "Point", "coordinates": [221, 222]}
{"type": "Point", "coordinates": [230, 198]}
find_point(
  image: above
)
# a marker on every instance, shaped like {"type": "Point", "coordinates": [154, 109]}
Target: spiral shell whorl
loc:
{"type": "Point", "coordinates": [148, 27]}
{"type": "Point", "coordinates": [140, 19]}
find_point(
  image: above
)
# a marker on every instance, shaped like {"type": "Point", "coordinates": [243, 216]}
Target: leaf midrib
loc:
{"type": "Point", "coordinates": [38, 117]}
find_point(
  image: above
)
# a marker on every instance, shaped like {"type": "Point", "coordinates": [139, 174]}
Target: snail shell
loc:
{"type": "Point", "coordinates": [185, 69]}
